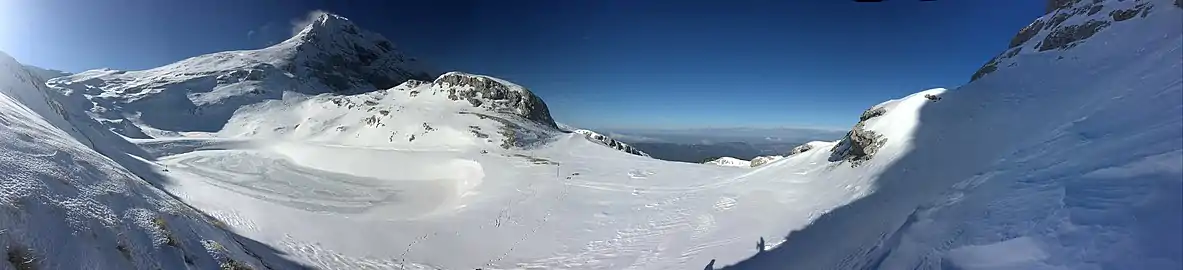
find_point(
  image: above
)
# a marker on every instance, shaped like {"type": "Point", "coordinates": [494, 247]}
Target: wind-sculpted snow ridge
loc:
{"type": "Point", "coordinates": [610, 142]}
{"type": "Point", "coordinates": [65, 206]}
{"type": "Point", "coordinates": [1065, 158]}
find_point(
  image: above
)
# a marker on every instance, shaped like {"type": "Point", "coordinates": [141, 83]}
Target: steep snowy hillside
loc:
{"type": "Point", "coordinates": [201, 93]}
{"type": "Point", "coordinates": [1066, 152]}
{"type": "Point", "coordinates": [64, 206]}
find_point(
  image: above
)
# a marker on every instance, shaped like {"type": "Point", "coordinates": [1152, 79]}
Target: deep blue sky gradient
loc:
{"type": "Point", "coordinates": [621, 64]}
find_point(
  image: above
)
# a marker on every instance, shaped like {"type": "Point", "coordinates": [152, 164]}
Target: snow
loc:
{"type": "Point", "coordinates": [1069, 159]}
{"type": "Point", "coordinates": [730, 162]}
{"type": "Point", "coordinates": [1067, 149]}
{"type": "Point", "coordinates": [1018, 253]}
{"type": "Point", "coordinates": [65, 206]}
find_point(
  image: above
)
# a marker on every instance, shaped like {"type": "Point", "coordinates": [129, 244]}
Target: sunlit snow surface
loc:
{"type": "Point", "coordinates": [573, 204]}
{"type": "Point", "coordinates": [1065, 159]}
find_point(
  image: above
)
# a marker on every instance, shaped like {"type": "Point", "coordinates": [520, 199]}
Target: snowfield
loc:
{"type": "Point", "coordinates": [1062, 158]}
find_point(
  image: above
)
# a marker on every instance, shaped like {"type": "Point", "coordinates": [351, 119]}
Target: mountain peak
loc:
{"type": "Point", "coordinates": [348, 59]}
{"type": "Point", "coordinates": [324, 22]}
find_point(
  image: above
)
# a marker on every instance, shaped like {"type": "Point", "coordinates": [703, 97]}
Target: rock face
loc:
{"type": "Point", "coordinates": [349, 59]}
{"type": "Point", "coordinates": [497, 95]}
{"type": "Point", "coordinates": [859, 144]}
{"type": "Point", "coordinates": [611, 143]}
{"type": "Point", "coordinates": [1066, 24]}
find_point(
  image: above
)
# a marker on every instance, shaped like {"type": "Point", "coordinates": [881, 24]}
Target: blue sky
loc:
{"type": "Point", "coordinates": [603, 64]}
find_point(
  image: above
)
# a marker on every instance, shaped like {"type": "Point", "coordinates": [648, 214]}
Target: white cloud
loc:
{"type": "Point", "coordinates": [250, 33]}
{"type": "Point", "coordinates": [298, 24]}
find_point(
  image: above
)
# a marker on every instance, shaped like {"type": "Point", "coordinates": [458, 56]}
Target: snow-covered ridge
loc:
{"type": "Point", "coordinates": [414, 115]}
{"type": "Point", "coordinates": [729, 162]}
{"type": "Point", "coordinates": [248, 93]}
{"type": "Point", "coordinates": [330, 55]}
{"type": "Point", "coordinates": [609, 142]}
{"type": "Point", "coordinates": [1069, 22]}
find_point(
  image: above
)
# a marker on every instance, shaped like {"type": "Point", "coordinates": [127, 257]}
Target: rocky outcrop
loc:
{"type": "Point", "coordinates": [1066, 37]}
{"type": "Point", "coordinates": [496, 95]}
{"type": "Point", "coordinates": [859, 144]}
{"type": "Point", "coordinates": [761, 160]}
{"type": "Point", "coordinates": [800, 149]}
{"type": "Point", "coordinates": [611, 143]}
{"type": "Point", "coordinates": [1065, 25]}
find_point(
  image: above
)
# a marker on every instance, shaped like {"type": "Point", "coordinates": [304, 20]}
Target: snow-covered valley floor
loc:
{"type": "Point", "coordinates": [350, 208]}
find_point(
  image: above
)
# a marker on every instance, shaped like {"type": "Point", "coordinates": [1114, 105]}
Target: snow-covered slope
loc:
{"type": "Point", "coordinates": [45, 74]}
{"type": "Point", "coordinates": [729, 162]}
{"type": "Point", "coordinates": [201, 93]}
{"type": "Point", "coordinates": [1069, 157]}
{"type": "Point", "coordinates": [1066, 158]}
{"type": "Point", "coordinates": [456, 111]}
{"type": "Point", "coordinates": [64, 206]}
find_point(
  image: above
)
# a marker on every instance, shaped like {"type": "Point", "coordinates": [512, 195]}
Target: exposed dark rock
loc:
{"type": "Point", "coordinates": [612, 143]}
{"type": "Point", "coordinates": [988, 68]}
{"type": "Point", "coordinates": [859, 144]}
{"type": "Point", "coordinates": [1056, 20]}
{"type": "Point", "coordinates": [801, 149]}
{"type": "Point", "coordinates": [1065, 37]}
{"type": "Point", "coordinates": [1121, 15]}
{"type": "Point", "coordinates": [349, 60]}
{"type": "Point", "coordinates": [871, 113]}
{"type": "Point", "coordinates": [1026, 33]}
{"type": "Point", "coordinates": [481, 91]}
{"type": "Point", "coordinates": [1053, 5]}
